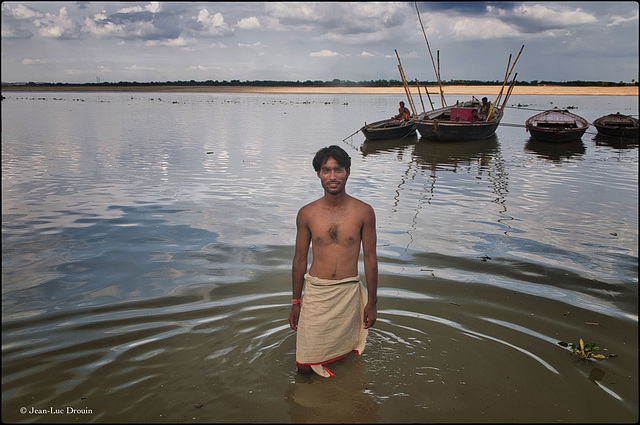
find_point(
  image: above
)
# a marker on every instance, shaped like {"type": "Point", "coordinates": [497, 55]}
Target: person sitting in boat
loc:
{"type": "Point", "coordinates": [474, 115]}
{"type": "Point", "coordinates": [403, 113]}
{"type": "Point", "coordinates": [484, 109]}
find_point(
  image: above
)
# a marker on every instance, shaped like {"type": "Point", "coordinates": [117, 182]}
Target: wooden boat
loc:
{"type": "Point", "coordinates": [556, 125]}
{"type": "Point", "coordinates": [617, 125]}
{"type": "Point", "coordinates": [457, 123]}
{"type": "Point", "coordinates": [388, 129]}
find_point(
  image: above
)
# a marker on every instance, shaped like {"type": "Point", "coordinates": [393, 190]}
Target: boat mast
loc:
{"type": "Point", "coordinates": [436, 71]}
{"type": "Point", "coordinates": [407, 89]}
{"type": "Point", "coordinates": [506, 78]}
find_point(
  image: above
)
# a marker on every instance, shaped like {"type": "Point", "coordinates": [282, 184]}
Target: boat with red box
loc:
{"type": "Point", "coordinates": [457, 123]}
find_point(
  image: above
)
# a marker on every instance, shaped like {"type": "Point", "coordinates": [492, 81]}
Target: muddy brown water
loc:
{"type": "Point", "coordinates": [147, 241]}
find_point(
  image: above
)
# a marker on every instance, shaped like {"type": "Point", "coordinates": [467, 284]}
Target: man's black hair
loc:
{"type": "Point", "coordinates": [336, 152]}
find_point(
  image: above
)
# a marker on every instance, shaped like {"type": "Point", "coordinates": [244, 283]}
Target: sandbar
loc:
{"type": "Point", "coordinates": [433, 90]}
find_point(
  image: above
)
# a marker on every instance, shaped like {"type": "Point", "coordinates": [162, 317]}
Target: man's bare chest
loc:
{"type": "Point", "coordinates": [344, 232]}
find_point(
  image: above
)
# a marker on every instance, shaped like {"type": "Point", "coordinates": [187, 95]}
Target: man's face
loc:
{"type": "Point", "coordinates": [333, 177]}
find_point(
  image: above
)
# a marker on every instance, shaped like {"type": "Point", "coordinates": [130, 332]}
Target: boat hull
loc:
{"type": "Point", "coordinates": [617, 125]}
{"type": "Point", "coordinates": [388, 129]}
{"type": "Point", "coordinates": [556, 126]}
{"type": "Point", "coordinates": [438, 125]}
{"type": "Point", "coordinates": [556, 135]}
{"type": "Point", "coordinates": [451, 131]}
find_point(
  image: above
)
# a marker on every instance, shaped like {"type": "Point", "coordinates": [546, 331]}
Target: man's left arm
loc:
{"type": "Point", "coordinates": [369, 241]}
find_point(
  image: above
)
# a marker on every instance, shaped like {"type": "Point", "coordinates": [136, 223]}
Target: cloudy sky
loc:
{"type": "Point", "coordinates": [86, 42]}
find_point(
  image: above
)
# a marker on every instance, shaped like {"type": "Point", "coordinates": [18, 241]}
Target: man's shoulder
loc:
{"type": "Point", "coordinates": [361, 205]}
{"type": "Point", "coordinates": [309, 207]}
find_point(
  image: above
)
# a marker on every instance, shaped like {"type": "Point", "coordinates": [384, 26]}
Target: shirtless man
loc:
{"type": "Point", "coordinates": [403, 113]}
{"type": "Point", "coordinates": [335, 226]}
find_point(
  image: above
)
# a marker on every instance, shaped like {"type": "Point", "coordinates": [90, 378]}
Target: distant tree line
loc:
{"type": "Point", "coordinates": [340, 83]}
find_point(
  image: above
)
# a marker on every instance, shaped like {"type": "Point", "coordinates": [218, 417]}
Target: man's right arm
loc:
{"type": "Point", "coordinates": [299, 266]}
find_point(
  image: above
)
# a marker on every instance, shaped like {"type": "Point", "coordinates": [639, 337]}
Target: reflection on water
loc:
{"type": "Point", "coordinates": [450, 156]}
{"type": "Point", "coordinates": [557, 152]}
{"type": "Point", "coordinates": [147, 244]}
{"type": "Point", "coordinates": [346, 399]}
{"type": "Point", "coordinates": [385, 146]}
{"type": "Point", "coordinates": [616, 142]}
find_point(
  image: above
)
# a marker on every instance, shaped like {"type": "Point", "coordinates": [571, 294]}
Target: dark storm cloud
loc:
{"type": "Point", "coordinates": [462, 7]}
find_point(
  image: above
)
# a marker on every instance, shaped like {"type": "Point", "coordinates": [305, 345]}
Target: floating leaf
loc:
{"type": "Point", "coordinates": [585, 350]}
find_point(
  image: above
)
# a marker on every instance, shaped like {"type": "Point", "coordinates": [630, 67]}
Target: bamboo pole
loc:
{"type": "Point", "coordinates": [444, 103]}
{"type": "Point", "coordinates": [407, 90]}
{"type": "Point", "coordinates": [352, 134]}
{"type": "Point", "coordinates": [420, 95]}
{"type": "Point", "coordinates": [513, 83]}
{"type": "Point", "coordinates": [437, 72]}
{"type": "Point", "coordinates": [406, 85]}
{"type": "Point", "coordinates": [428, 96]}
{"type": "Point", "coordinates": [507, 76]}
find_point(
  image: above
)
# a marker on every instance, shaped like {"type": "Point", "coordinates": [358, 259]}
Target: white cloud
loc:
{"type": "Point", "coordinates": [100, 27]}
{"type": "Point", "coordinates": [55, 26]}
{"type": "Point", "coordinates": [554, 16]}
{"type": "Point", "coordinates": [254, 45]}
{"type": "Point", "coordinates": [213, 24]}
{"type": "Point", "coordinates": [482, 29]}
{"type": "Point", "coordinates": [152, 7]}
{"type": "Point", "coordinates": [354, 38]}
{"type": "Point", "coordinates": [324, 53]}
{"type": "Point", "coordinates": [22, 12]}
{"type": "Point", "coordinates": [298, 11]}
{"type": "Point", "coordinates": [250, 23]}
{"type": "Point", "coordinates": [620, 20]}
{"type": "Point", "coordinates": [138, 68]}
{"type": "Point", "coordinates": [174, 42]}
{"type": "Point", "coordinates": [33, 61]}
{"type": "Point", "coordinates": [411, 55]}
{"type": "Point", "coordinates": [219, 45]}
{"type": "Point", "coordinates": [302, 32]}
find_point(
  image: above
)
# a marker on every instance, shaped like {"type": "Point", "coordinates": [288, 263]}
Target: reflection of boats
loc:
{"type": "Point", "coordinates": [443, 164]}
{"type": "Point", "coordinates": [556, 125]}
{"type": "Point", "coordinates": [438, 155]}
{"type": "Point", "coordinates": [388, 145]}
{"type": "Point", "coordinates": [617, 125]}
{"type": "Point", "coordinates": [556, 152]}
{"type": "Point", "coordinates": [616, 142]}
{"type": "Point", "coordinates": [456, 123]}
{"type": "Point", "coordinates": [388, 129]}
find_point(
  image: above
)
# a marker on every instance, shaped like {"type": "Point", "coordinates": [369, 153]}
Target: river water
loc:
{"type": "Point", "coordinates": [147, 241]}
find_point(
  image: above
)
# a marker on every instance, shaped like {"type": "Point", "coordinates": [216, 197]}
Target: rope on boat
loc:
{"type": "Point", "coordinates": [528, 109]}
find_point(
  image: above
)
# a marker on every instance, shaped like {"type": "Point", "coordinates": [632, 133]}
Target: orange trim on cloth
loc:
{"type": "Point", "coordinates": [331, 321]}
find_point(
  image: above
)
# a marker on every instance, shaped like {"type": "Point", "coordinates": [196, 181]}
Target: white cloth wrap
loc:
{"type": "Point", "coordinates": [331, 322]}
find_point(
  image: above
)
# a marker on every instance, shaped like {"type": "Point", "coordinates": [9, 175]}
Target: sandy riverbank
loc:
{"type": "Point", "coordinates": [469, 90]}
